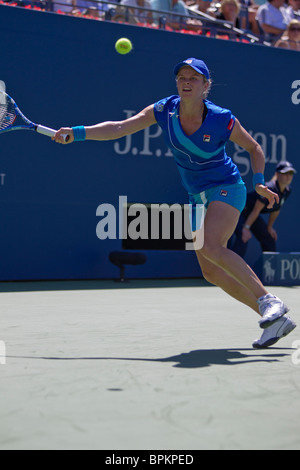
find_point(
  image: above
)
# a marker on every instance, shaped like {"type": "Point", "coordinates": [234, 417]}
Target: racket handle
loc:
{"type": "Point", "coordinates": [50, 132]}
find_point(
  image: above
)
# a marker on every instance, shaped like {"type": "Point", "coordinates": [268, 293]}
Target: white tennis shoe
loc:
{"type": "Point", "coordinates": [274, 333]}
{"type": "Point", "coordinates": [271, 309]}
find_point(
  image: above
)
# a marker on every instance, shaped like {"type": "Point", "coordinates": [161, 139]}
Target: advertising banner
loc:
{"type": "Point", "coordinates": [64, 71]}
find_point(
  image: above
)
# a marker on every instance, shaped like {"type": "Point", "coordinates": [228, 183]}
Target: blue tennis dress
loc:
{"type": "Point", "coordinates": [201, 158]}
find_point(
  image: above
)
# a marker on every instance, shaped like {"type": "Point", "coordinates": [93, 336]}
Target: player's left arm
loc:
{"type": "Point", "coordinates": [243, 139]}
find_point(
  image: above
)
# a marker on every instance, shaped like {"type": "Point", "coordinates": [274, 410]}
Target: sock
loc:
{"type": "Point", "coordinates": [265, 297]}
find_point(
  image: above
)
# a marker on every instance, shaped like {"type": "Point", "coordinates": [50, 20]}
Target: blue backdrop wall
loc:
{"type": "Point", "coordinates": [65, 71]}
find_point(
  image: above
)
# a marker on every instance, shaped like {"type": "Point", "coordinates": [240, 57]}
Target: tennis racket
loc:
{"type": "Point", "coordinates": [12, 119]}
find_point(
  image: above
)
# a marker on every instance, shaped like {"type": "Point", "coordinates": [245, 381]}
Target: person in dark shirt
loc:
{"type": "Point", "coordinates": [251, 221]}
{"type": "Point", "coordinates": [229, 11]}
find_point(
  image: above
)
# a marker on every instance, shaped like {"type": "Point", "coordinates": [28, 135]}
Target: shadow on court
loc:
{"type": "Point", "coordinates": [191, 360]}
{"type": "Point", "coordinates": [70, 285]}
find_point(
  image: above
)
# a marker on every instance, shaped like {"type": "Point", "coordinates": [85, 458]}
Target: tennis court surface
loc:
{"type": "Point", "coordinates": [144, 365]}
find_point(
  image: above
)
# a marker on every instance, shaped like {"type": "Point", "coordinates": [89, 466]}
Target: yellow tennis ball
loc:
{"type": "Point", "coordinates": [123, 46]}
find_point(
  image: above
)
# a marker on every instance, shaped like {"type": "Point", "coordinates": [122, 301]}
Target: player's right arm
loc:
{"type": "Point", "coordinates": [112, 130]}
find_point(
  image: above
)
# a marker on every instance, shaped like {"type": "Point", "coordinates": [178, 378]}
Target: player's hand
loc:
{"type": "Point", "coordinates": [64, 136]}
{"type": "Point", "coordinates": [264, 191]}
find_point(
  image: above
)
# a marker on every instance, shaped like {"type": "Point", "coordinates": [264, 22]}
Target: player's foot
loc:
{"type": "Point", "coordinates": [274, 333]}
{"type": "Point", "coordinates": [271, 309]}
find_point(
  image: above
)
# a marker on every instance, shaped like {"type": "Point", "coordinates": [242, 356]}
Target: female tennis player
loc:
{"type": "Point", "coordinates": [196, 130]}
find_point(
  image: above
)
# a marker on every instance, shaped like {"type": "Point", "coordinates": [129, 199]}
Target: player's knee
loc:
{"type": "Point", "coordinates": [210, 251]}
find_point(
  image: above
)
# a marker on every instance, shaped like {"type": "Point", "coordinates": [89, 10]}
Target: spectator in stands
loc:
{"type": "Point", "coordinates": [172, 6]}
{"type": "Point", "coordinates": [273, 19]}
{"type": "Point", "coordinates": [251, 221]}
{"type": "Point", "coordinates": [173, 21]}
{"type": "Point", "coordinates": [135, 15]}
{"type": "Point", "coordinates": [203, 5]}
{"type": "Point", "coordinates": [66, 6]}
{"type": "Point", "coordinates": [229, 11]}
{"type": "Point", "coordinates": [291, 39]}
{"type": "Point", "coordinates": [89, 7]}
{"type": "Point", "coordinates": [249, 10]}
{"type": "Point", "coordinates": [200, 6]}
{"type": "Point", "coordinates": [294, 9]}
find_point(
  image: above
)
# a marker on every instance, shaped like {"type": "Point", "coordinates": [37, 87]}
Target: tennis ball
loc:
{"type": "Point", "coordinates": [123, 46]}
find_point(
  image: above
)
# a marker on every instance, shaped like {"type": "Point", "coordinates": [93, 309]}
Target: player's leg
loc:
{"type": "Point", "coordinates": [220, 278]}
{"type": "Point", "coordinates": [220, 222]}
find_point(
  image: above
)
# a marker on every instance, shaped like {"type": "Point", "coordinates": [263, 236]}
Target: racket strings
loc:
{"type": "Point", "coordinates": [7, 114]}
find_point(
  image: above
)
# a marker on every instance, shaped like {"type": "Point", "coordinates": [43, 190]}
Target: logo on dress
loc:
{"type": "Point", "coordinates": [230, 125]}
{"type": "Point", "coordinates": [159, 107]}
{"type": "Point", "coordinates": [206, 138]}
